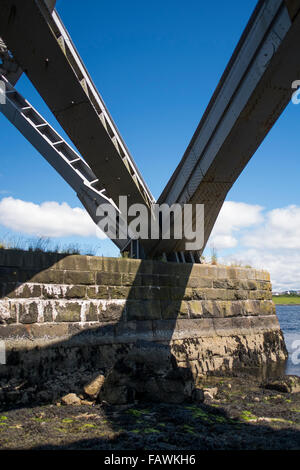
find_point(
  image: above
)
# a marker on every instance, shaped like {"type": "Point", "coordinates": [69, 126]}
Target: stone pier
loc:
{"type": "Point", "coordinates": [61, 314]}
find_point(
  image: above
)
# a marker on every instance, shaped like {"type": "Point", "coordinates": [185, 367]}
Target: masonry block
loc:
{"type": "Point", "coordinates": [8, 312]}
{"type": "Point", "coordinates": [93, 313]}
{"type": "Point", "coordinates": [164, 280]}
{"type": "Point", "coordinates": [216, 294]}
{"type": "Point", "coordinates": [48, 276]}
{"type": "Point", "coordinates": [150, 279]}
{"type": "Point", "coordinates": [79, 277]}
{"type": "Point", "coordinates": [98, 292]}
{"type": "Point", "coordinates": [48, 314]}
{"type": "Point", "coordinates": [172, 309]}
{"type": "Point", "coordinates": [260, 295]}
{"type": "Point", "coordinates": [131, 280]}
{"type": "Point", "coordinates": [224, 284]}
{"type": "Point", "coordinates": [29, 312]}
{"type": "Point", "coordinates": [75, 292]}
{"type": "Point", "coordinates": [198, 282]}
{"type": "Point", "coordinates": [112, 311]}
{"type": "Point", "coordinates": [120, 292]}
{"type": "Point", "coordinates": [22, 291]}
{"type": "Point", "coordinates": [195, 308]}
{"type": "Point", "coordinates": [68, 312]}
{"type": "Point", "coordinates": [109, 279]}
{"type": "Point", "coordinates": [143, 310]}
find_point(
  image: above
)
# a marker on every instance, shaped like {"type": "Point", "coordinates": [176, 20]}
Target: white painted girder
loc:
{"type": "Point", "coordinates": [68, 163]}
{"type": "Point", "coordinates": [252, 93]}
{"type": "Point", "coordinates": [41, 45]}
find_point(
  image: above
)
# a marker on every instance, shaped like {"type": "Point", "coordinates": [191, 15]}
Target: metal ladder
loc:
{"type": "Point", "coordinates": [68, 163]}
{"type": "Point", "coordinates": [73, 168]}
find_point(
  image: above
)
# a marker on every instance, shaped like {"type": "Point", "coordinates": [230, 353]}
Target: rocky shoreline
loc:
{"type": "Point", "coordinates": [231, 413]}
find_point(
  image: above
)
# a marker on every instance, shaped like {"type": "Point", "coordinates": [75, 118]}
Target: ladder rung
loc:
{"type": "Point", "coordinates": [61, 42]}
{"type": "Point", "coordinates": [102, 118]}
{"type": "Point", "coordinates": [115, 142]}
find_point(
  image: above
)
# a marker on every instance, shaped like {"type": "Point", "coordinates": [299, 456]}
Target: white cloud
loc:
{"type": "Point", "coordinates": [281, 230]}
{"type": "Point", "coordinates": [221, 241]}
{"type": "Point", "coordinates": [49, 219]}
{"type": "Point", "coordinates": [282, 266]}
{"type": "Point", "coordinates": [265, 240]}
{"type": "Point", "coordinates": [233, 217]}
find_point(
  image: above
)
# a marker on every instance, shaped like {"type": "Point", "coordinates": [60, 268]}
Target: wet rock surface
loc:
{"type": "Point", "coordinates": [240, 414]}
{"type": "Point", "coordinates": [83, 382]}
{"type": "Point", "coordinates": [285, 384]}
{"type": "Point", "coordinates": [92, 388]}
{"type": "Point", "coordinates": [71, 399]}
{"type": "Point", "coordinates": [148, 372]}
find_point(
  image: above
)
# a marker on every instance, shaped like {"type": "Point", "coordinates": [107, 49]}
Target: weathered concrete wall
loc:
{"type": "Point", "coordinates": [59, 313]}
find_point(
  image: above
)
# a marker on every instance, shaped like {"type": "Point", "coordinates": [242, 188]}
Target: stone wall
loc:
{"type": "Point", "coordinates": [62, 313]}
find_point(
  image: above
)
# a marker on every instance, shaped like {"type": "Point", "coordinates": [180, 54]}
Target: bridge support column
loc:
{"type": "Point", "coordinates": [153, 329]}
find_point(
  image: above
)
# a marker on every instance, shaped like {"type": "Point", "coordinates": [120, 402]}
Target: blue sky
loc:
{"type": "Point", "coordinates": [156, 65]}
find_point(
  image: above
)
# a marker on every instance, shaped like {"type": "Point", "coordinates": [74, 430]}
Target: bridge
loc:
{"type": "Point", "coordinates": [252, 93]}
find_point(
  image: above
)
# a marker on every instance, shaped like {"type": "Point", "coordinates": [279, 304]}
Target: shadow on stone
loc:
{"type": "Point", "coordinates": [150, 328]}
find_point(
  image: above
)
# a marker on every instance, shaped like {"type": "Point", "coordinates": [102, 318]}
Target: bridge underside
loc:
{"type": "Point", "coordinates": [42, 47]}
{"type": "Point", "coordinates": [252, 93]}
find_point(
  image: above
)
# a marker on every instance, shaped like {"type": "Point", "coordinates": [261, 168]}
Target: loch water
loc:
{"type": "Point", "coordinates": [289, 319]}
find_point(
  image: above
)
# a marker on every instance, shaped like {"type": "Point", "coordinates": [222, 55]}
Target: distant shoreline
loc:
{"type": "Point", "coordinates": [286, 299]}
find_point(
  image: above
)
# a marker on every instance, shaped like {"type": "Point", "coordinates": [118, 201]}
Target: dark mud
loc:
{"type": "Point", "coordinates": [242, 415]}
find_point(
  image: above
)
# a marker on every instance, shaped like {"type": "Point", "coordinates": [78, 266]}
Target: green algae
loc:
{"type": "Point", "coordinates": [248, 416]}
